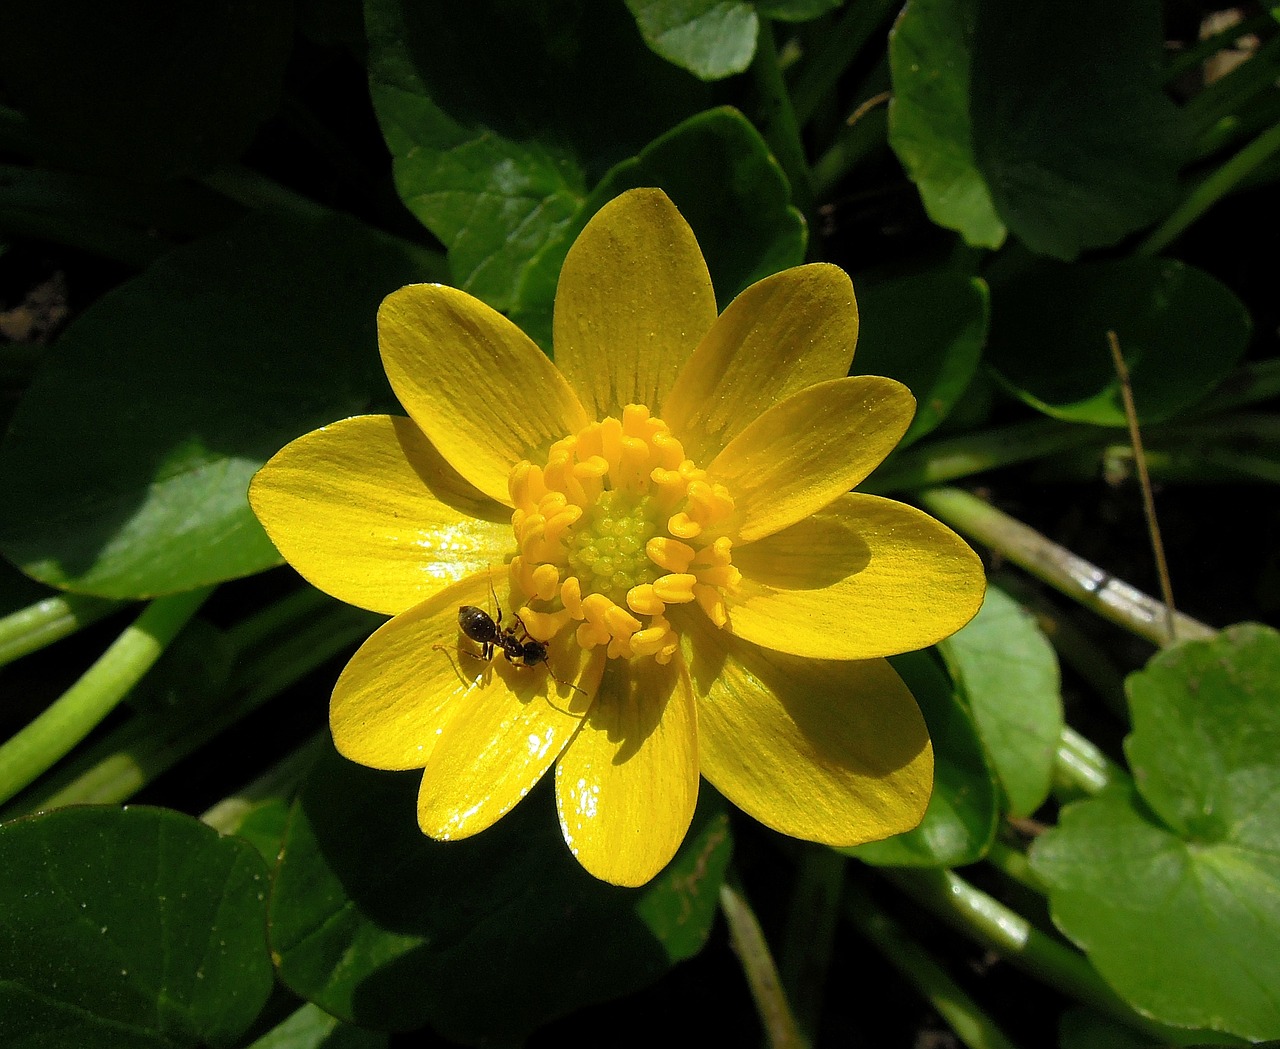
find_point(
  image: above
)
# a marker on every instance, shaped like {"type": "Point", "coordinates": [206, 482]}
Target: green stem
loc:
{"type": "Point", "coordinates": [117, 767]}
{"type": "Point", "coordinates": [51, 619]}
{"type": "Point", "coordinates": [72, 716]}
{"type": "Point", "coordinates": [972, 1026]}
{"type": "Point", "coordinates": [1066, 572]}
{"type": "Point", "coordinates": [990, 923]}
{"type": "Point", "coordinates": [1014, 865]}
{"type": "Point", "coordinates": [950, 459]}
{"type": "Point", "coordinates": [778, 120]}
{"type": "Point", "coordinates": [810, 932]}
{"type": "Point", "coordinates": [762, 975]}
{"type": "Point", "coordinates": [1081, 768]}
{"type": "Point", "coordinates": [847, 38]}
{"type": "Point", "coordinates": [1212, 189]}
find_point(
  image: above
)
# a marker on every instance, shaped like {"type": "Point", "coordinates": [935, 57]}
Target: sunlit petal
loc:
{"type": "Point", "coordinates": [627, 785]}
{"type": "Point", "coordinates": [475, 384]}
{"type": "Point", "coordinates": [804, 451]}
{"type": "Point", "coordinates": [863, 578]}
{"type": "Point", "coordinates": [633, 301]}
{"type": "Point", "coordinates": [366, 510]}
{"type": "Point", "coordinates": [782, 334]}
{"type": "Point", "coordinates": [833, 752]}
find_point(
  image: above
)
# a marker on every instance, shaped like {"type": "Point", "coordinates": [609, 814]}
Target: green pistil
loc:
{"type": "Point", "coordinates": [606, 546]}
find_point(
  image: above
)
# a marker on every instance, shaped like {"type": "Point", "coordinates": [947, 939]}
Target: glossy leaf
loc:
{"type": "Point", "coordinates": [501, 114]}
{"type": "Point", "coordinates": [930, 52]}
{"type": "Point", "coordinates": [384, 927]}
{"type": "Point", "coordinates": [927, 331]}
{"type": "Point", "coordinates": [712, 39]}
{"type": "Point", "coordinates": [128, 929]}
{"type": "Point", "coordinates": [312, 1028]}
{"type": "Point", "coordinates": [116, 89]}
{"type": "Point", "coordinates": [960, 822]}
{"type": "Point", "coordinates": [1071, 127]}
{"type": "Point", "coordinates": [1173, 887]}
{"type": "Point", "coordinates": [1180, 330]}
{"type": "Point", "coordinates": [1007, 670]}
{"type": "Point", "coordinates": [126, 466]}
{"type": "Point", "coordinates": [720, 174]}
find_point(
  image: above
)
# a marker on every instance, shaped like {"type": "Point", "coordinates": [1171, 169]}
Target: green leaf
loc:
{"type": "Point", "coordinates": [312, 1028]}
{"type": "Point", "coordinates": [384, 927]}
{"type": "Point", "coordinates": [1181, 333]}
{"type": "Point", "coordinates": [1084, 1029]}
{"type": "Point", "coordinates": [115, 88]}
{"type": "Point", "coordinates": [129, 929]}
{"type": "Point", "coordinates": [929, 124]}
{"type": "Point", "coordinates": [926, 331]}
{"type": "Point", "coordinates": [718, 171]}
{"type": "Point", "coordinates": [500, 114]}
{"type": "Point", "coordinates": [1173, 887]}
{"type": "Point", "coordinates": [712, 39]}
{"type": "Point", "coordinates": [127, 462]}
{"type": "Point", "coordinates": [960, 822]}
{"type": "Point", "coordinates": [1079, 143]}
{"type": "Point", "coordinates": [1007, 670]}
{"type": "Point", "coordinates": [796, 10]}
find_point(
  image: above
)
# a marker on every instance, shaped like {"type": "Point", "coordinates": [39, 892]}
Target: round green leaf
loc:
{"type": "Point", "coordinates": [720, 174]}
{"type": "Point", "coordinates": [929, 128]}
{"type": "Point", "coordinates": [960, 822]}
{"type": "Point", "coordinates": [312, 1028]}
{"type": "Point", "coordinates": [127, 929]}
{"type": "Point", "coordinates": [1007, 670]}
{"type": "Point", "coordinates": [485, 938]}
{"type": "Point", "coordinates": [1173, 887]}
{"type": "Point", "coordinates": [1181, 333]}
{"type": "Point", "coordinates": [118, 89]}
{"type": "Point", "coordinates": [500, 114]}
{"type": "Point", "coordinates": [712, 39]}
{"type": "Point", "coordinates": [926, 331]}
{"type": "Point", "coordinates": [1071, 126]}
{"type": "Point", "coordinates": [126, 465]}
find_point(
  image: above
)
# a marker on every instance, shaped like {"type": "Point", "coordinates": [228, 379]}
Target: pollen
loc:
{"type": "Point", "coordinates": [614, 528]}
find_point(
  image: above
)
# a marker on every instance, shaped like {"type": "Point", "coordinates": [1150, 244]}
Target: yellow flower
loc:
{"type": "Point", "coordinates": [667, 509]}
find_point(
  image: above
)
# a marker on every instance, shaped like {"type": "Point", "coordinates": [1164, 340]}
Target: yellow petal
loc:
{"type": "Point", "coordinates": [782, 334]}
{"type": "Point", "coordinates": [367, 511]}
{"type": "Point", "coordinates": [863, 578]}
{"type": "Point", "coordinates": [398, 692]}
{"type": "Point", "coordinates": [501, 739]}
{"type": "Point", "coordinates": [807, 450]}
{"type": "Point", "coordinates": [832, 752]}
{"type": "Point", "coordinates": [475, 384]}
{"type": "Point", "coordinates": [633, 301]}
{"type": "Point", "coordinates": [627, 785]}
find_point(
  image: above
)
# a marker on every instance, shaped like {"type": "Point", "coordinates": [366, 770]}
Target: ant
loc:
{"type": "Point", "coordinates": [524, 652]}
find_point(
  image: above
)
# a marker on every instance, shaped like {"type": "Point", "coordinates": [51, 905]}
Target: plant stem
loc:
{"type": "Point", "coordinates": [1014, 865]}
{"type": "Point", "coordinates": [1066, 572]}
{"type": "Point", "coordinates": [1081, 767]}
{"type": "Point", "coordinates": [48, 620]}
{"type": "Point", "coordinates": [762, 975]}
{"type": "Point", "coordinates": [972, 1026]}
{"type": "Point", "coordinates": [1212, 189]}
{"type": "Point", "coordinates": [950, 459]}
{"type": "Point", "coordinates": [71, 717]}
{"type": "Point", "coordinates": [810, 932]}
{"type": "Point", "coordinates": [778, 120]}
{"type": "Point", "coordinates": [990, 923]}
{"type": "Point", "coordinates": [847, 38]}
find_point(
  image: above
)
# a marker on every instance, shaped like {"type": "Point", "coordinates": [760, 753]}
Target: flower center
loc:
{"type": "Point", "coordinates": [614, 528]}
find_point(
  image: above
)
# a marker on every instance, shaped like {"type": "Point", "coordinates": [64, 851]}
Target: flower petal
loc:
{"type": "Point", "coordinates": [807, 450]}
{"type": "Point", "coordinates": [782, 334]}
{"type": "Point", "coordinates": [502, 738]}
{"type": "Point", "coordinates": [828, 751]}
{"type": "Point", "coordinates": [475, 384]}
{"type": "Point", "coordinates": [633, 301]}
{"type": "Point", "coordinates": [863, 578]}
{"type": "Point", "coordinates": [627, 785]}
{"type": "Point", "coordinates": [367, 511]}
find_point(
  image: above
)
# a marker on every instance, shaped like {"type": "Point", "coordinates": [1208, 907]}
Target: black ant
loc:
{"type": "Point", "coordinates": [524, 652]}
